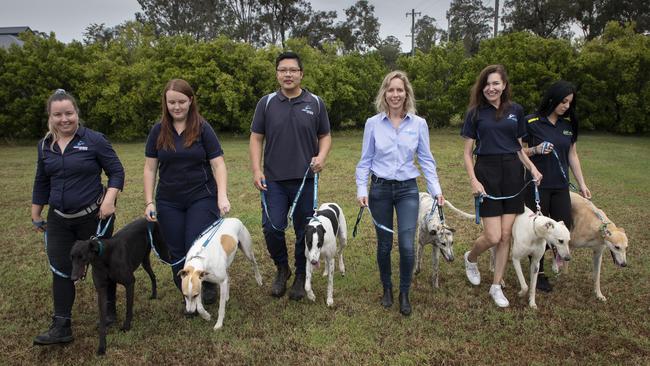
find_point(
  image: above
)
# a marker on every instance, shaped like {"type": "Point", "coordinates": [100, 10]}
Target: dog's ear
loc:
{"type": "Point", "coordinates": [561, 223]}
{"type": "Point", "coordinates": [549, 225]}
{"type": "Point", "coordinates": [182, 273]}
{"type": "Point", "coordinates": [202, 274]}
{"type": "Point", "coordinates": [321, 230]}
{"type": "Point", "coordinates": [608, 233]}
{"type": "Point", "coordinates": [622, 230]}
{"type": "Point", "coordinates": [451, 229]}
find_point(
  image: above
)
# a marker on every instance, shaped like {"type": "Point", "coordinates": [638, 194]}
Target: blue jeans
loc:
{"type": "Point", "coordinates": [404, 197]}
{"type": "Point", "coordinates": [181, 224]}
{"type": "Point", "coordinates": [279, 197]}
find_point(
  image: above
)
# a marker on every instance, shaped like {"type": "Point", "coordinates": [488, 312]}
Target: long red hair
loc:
{"type": "Point", "coordinates": [192, 125]}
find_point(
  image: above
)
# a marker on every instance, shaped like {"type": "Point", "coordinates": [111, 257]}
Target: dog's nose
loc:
{"type": "Point", "coordinates": [624, 264]}
{"type": "Point", "coordinates": [567, 258]}
{"type": "Point", "coordinates": [313, 262]}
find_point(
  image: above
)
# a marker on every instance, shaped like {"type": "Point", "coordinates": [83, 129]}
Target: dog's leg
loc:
{"type": "Point", "coordinates": [246, 245]}
{"type": "Point", "coordinates": [101, 302]}
{"type": "Point", "coordinates": [597, 262]}
{"type": "Point", "coordinates": [223, 295]}
{"type": "Point", "coordinates": [343, 241]}
{"type": "Point", "coordinates": [308, 274]}
{"type": "Point", "coordinates": [534, 272]}
{"type": "Point", "coordinates": [201, 310]}
{"type": "Point", "coordinates": [436, 266]}
{"type": "Point", "coordinates": [129, 305]}
{"type": "Point", "coordinates": [492, 258]}
{"type": "Point", "coordinates": [418, 254]}
{"type": "Point", "coordinates": [520, 276]}
{"type": "Point", "coordinates": [146, 264]}
{"type": "Point", "coordinates": [330, 281]}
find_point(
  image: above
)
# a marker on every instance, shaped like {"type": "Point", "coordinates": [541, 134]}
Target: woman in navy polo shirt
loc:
{"type": "Point", "coordinates": [555, 122]}
{"type": "Point", "coordinates": [70, 162]}
{"type": "Point", "coordinates": [391, 141]}
{"type": "Point", "coordinates": [192, 177]}
{"type": "Point", "coordinates": [493, 128]}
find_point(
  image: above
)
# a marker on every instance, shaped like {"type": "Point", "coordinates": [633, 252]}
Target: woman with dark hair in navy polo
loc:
{"type": "Point", "coordinates": [551, 140]}
{"type": "Point", "coordinates": [192, 178]}
{"type": "Point", "coordinates": [493, 129]}
{"type": "Point", "coordinates": [71, 159]}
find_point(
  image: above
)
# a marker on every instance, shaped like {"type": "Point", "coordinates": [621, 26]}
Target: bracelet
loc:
{"type": "Point", "coordinates": [148, 203]}
{"type": "Point", "coordinates": [39, 224]}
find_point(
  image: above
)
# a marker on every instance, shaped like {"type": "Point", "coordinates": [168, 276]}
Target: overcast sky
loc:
{"type": "Point", "coordinates": [69, 18]}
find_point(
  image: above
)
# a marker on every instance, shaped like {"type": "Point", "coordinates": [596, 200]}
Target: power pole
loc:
{"type": "Point", "coordinates": [448, 25]}
{"type": "Point", "coordinates": [496, 18]}
{"type": "Point", "coordinates": [413, 14]}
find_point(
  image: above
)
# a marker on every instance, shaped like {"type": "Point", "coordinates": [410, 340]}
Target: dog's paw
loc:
{"type": "Point", "coordinates": [523, 292]}
{"type": "Point", "coordinates": [125, 328]}
{"type": "Point", "coordinates": [311, 296]}
{"type": "Point", "coordinates": [330, 302]}
{"type": "Point", "coordinates": [205, 315]}
{"type": "Point", "coordinates": [601, 297]}
{"type": "Point", "coordinates": [101, 351]}
{"type": "Point", "coordinates": [218, 326]}
{"type": "Point", "coordinates": [533, 305]}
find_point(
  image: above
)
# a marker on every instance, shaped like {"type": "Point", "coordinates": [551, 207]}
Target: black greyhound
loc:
{"type": "Point", "coordinates": [116, 259]}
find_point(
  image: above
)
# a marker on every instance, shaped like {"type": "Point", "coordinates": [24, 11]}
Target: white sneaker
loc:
{"type": "Point", "coordinates": [472, 272]}
{"type": "Point", "coordinates": [498, 296]}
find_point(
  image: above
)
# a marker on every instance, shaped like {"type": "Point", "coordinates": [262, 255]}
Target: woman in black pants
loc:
{"type": "Point", "coordinates": [552, 136]}
{"type": "Point", "coordinates": [70, 161]}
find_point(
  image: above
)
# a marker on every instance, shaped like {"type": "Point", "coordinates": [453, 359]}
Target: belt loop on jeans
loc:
{"type": "Point", "coordinates": [81, 213]}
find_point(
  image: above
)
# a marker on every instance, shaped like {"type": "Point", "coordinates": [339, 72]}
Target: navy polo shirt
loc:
{"type": "Point", "coordinates": [72, 180]}
{"type": "Point", "coordinates": [495, 136]}
{"type": "Point", "coordinates": [185, 175]}
{"type": "Point", "coordinates": [291, 128]}
{"type": "Point", "coordinates": [562, 135]}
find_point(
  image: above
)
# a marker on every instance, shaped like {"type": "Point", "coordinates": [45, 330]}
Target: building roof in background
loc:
{"type": "Point", "coordinates": [9, 35]}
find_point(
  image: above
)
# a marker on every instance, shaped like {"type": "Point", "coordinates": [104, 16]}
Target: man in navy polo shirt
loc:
{"type": "Point", "coordinates": [293, 127]}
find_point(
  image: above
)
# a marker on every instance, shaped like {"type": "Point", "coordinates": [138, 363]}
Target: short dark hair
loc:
{"type": "Point", "coordinates": [288, 55]}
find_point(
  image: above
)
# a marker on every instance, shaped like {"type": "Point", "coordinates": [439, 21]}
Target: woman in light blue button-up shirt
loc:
{"type": "Point", "coordinates": [391, 141]}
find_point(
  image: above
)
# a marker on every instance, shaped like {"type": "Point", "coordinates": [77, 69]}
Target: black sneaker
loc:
{"type": "Point", "coordinates": [279, 286]}
{"type": "Point", "coordinates": [543, 284]}
{"type": "Point", "coordinates": [208, 292]}
{"type": "Point", "coordinates": [297, 290]}
{"type": "Point", "coordinates": [60, 332]}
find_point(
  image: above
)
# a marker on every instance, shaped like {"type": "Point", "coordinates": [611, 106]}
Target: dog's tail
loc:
{"type": "Point", "coordinates": [461, 213]}
{"type": "Point", "coordinates": [158, 241]}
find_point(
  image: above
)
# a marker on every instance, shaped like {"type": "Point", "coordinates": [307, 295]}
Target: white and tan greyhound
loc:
{"type": "Point", "coordinates": [327, 225]}
{"type": "Point", "coordinates": [208, 260]}
{"type": "Point", "coordinates": [593, 229]}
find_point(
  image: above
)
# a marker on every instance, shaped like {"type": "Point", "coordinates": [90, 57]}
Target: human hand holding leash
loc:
{"type": "Point", "coordinates": [224, 205]}
{"type": "Point", "coordinates": [259, 180]}
{"type": "Point", "coordinates": [537, 176]}
{"type": "Point", "coordinates": [106, 209]}
{"type": "Point", "coordinates": [317, 164]}
{"type": "Point", "coordinates": [363, 201]}
{"type": "Point", "coordinates": [477, 188]}
{"type": "Point", "coordinates": [584, 192]}
{"type": "Point", "coordinates": [39, 225]}
{"type": "Point", "coordinates": [440, 199]}
{"type": "Point", "coordinates": [543, 148]}
{"type": "Point", "coordinates": [150, 212]}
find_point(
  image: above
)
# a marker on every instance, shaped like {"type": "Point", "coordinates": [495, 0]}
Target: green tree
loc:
{"type": "Point", "coordinates": [201, 19]}
{"type": "Point", "coordinates": [360, 31]}
{"type": "Point", "coordinates": [470, 23]}
{"type": "Point", "coordinates": [427, 33]}
{"type": "Point", "coordinates": [389, 49]}
{"type": "Point", "coordinates": [545, 18]}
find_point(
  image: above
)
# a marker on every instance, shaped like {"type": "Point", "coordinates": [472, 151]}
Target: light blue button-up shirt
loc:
{"type": "Point", "coordinates": [389, 153]}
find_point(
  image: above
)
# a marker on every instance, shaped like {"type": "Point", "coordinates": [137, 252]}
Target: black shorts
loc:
{"type": "Point", "coordinates": [500, 175]}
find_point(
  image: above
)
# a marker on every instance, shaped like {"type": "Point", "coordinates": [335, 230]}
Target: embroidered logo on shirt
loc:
{"type": "Point", "coordinates": [80, 146]}
{"type": "Point", "coordinates": [567, 133]}
{"type": "Point", "coordinates": [308, 110]}
{"type": "Point", "coordinates": [512, 117]}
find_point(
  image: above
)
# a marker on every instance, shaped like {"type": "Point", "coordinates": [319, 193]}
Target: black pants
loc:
{"type": "Point", "coordinates": [60, 237]}
{"type": "Point", "coordinates": [555, 203]}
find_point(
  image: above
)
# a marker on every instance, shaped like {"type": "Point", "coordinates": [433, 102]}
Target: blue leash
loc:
{"type": "Point", "coordinates": [295, 200]}
{"type": "Point", "coordinates": [378, 225]}
{"type": "Point", "coordinates": [479, 199]}
{"type": "Point", "coordinates": [564, 175]}
{"type": "Point", "coordinates": [100, 232]}
{"type": "Point", "coordinates": [214, 226]}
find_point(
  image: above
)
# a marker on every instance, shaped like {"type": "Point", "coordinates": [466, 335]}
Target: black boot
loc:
{"type": "Point", "coordinates": [543, 284]}
{"type": "Point", "coordinates": [387, 299]}
{"type": "Point", "coordinates": [404, 304]}
{"type": "Point", "coordinates": [279, 286]}
{"type": "Point", "coordinates": [60, 332]}
{"type": "Point", "coordinates": [297, 291]}
{"type": "Point", "coordinates": [208, 293]}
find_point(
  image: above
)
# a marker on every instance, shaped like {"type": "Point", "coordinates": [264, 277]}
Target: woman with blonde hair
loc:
{"type": "Point", "coordinates": [391, 141]}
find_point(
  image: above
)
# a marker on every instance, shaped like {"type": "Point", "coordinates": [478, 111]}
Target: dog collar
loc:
{"type": "Point", "coordinates": [101, 248]}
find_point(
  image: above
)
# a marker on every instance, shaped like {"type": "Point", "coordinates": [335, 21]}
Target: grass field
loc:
{"type": "Point", "coordinates": [456, 324]}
